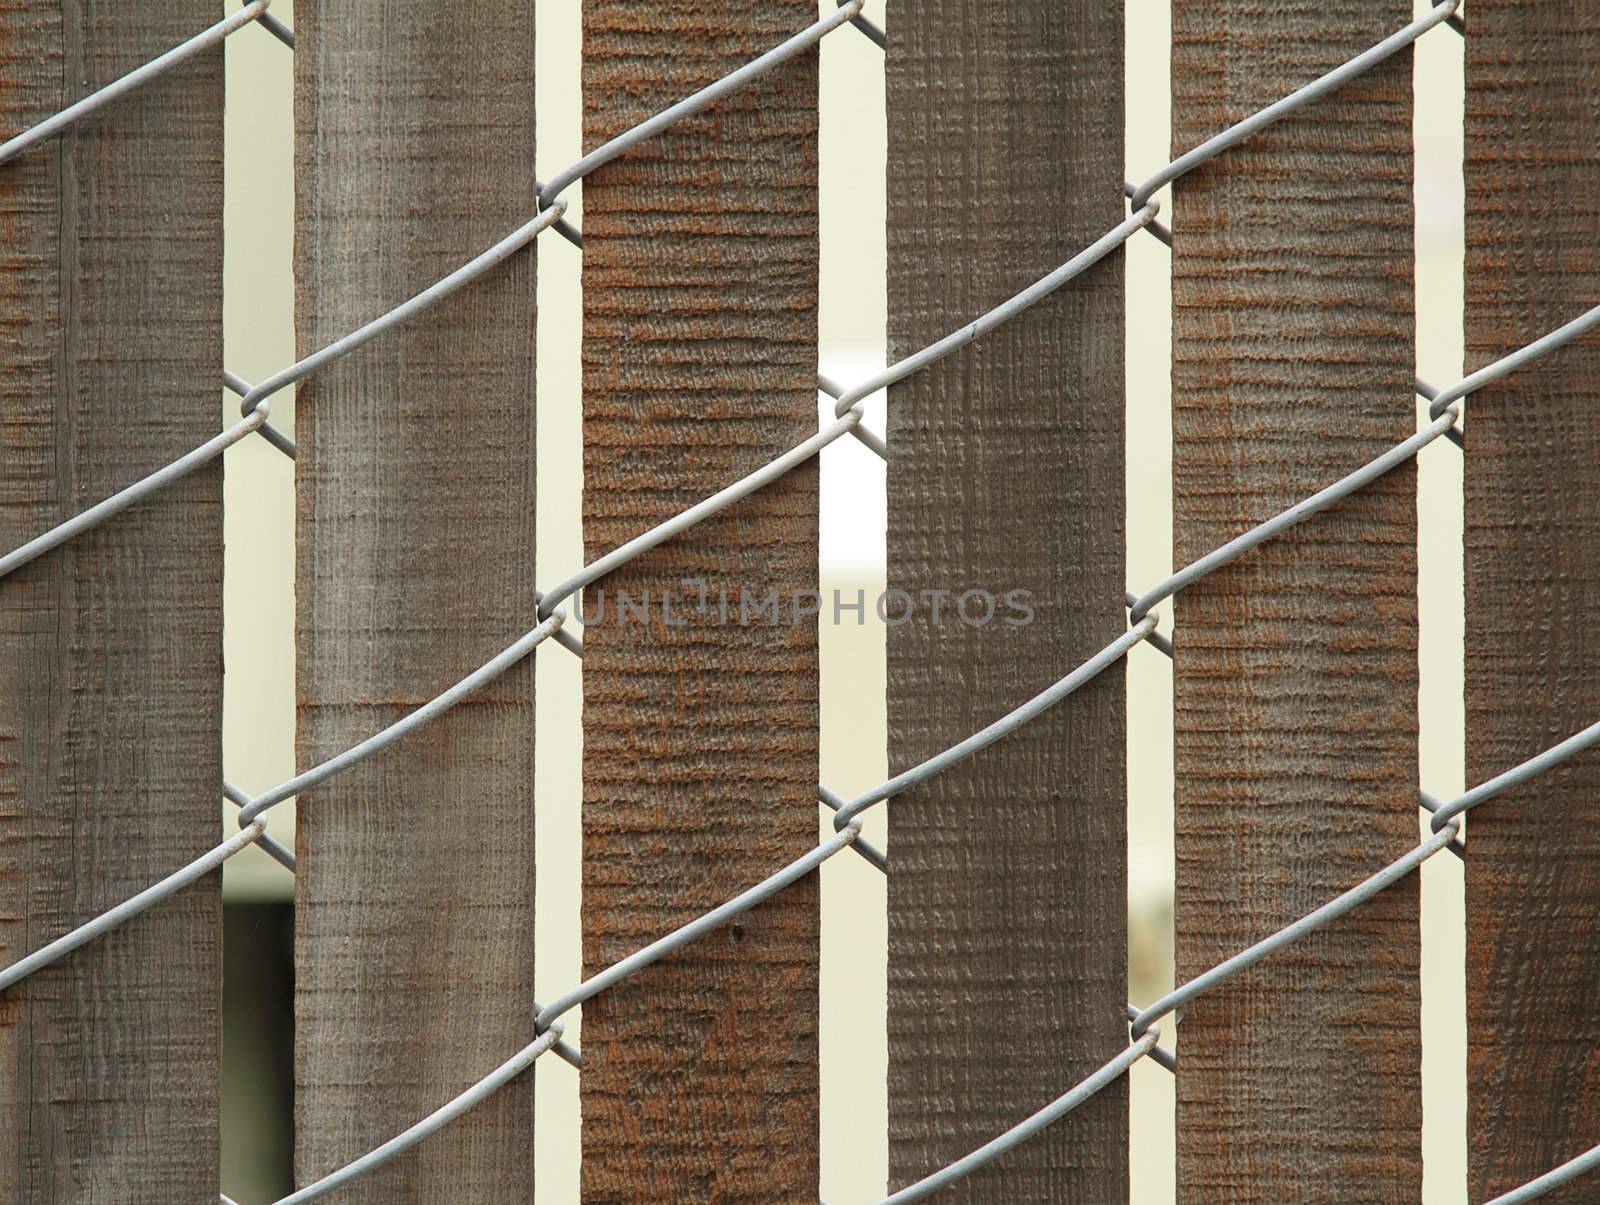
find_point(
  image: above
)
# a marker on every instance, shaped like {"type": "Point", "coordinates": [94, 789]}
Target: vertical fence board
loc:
{"type": "Point", "coordinates": [414, 896]}
{"type": "Point", "coordinates": [1008, 885]}
{"type": "Point", "coordinates": [1296, 673]}
{"type": "Point", "coordinates": [700, 740]}
{"type": "Point", "coordinates": [110, 708]}
{"type": "Point", "coordinates": [1532, 580]}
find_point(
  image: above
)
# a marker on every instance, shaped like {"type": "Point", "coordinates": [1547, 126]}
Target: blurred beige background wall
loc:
{"type": "Point", "coordinates": [259, 698]}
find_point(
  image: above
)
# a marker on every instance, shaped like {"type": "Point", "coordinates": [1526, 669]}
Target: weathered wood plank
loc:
{"type": "Point", "coordinates": [700, 740]}
{"type": "Point", "coordinates": [1532, 577]}
{"type": "Point", "coordinates": [110, 682]}
{"type": "Point", "coordinates": [1296, 673]}
{"type": "Point", "coordinates": [414, 899]}
{"type": "Point", "coordinates": [1008, 882]}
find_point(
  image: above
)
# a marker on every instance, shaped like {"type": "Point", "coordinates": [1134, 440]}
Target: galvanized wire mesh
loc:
{"type": "Point", "coordinates": [1444, 411]}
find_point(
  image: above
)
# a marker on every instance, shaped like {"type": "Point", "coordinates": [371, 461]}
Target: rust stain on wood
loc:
{"type": "Point", "coordinates": [700, 741]}
{"type": "Point", "coordinates": [1296, 673]}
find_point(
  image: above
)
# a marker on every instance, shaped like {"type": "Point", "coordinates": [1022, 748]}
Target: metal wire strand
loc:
{"type": "Point", "coordinates": [138, 77]}
{"type": "Point", "coordinates": [1085, 1088]}
{"type": "Point", "coordinates": [1293, 517]}
{"type": "Point", "coordinates": [277, 29]}
{"type": "Point", "coordinates": [433, 1122]}
{"type": "Point", "coordinates": [251, 810]}
{"type": "Point", "coordinates": [934, 352]}
{"type": "Point", "coordinates": [1517, 775]}
{"type": "Point", "coordinates": [129, 908]}
{"type": "Point", "coordinates": [240, 387]}
{"type": "Point", "coordinates": [475, 267]}
{"type": "Point", "coordinates": [699, 927]}
{"type": "Point", "coordinates": [548, 1021]}
{"type": "Point", "coordinates": [1569, 1171]}
{"type": "Point", "coordinates": [279, 852]}
{"type": "Point", "coordinates": [1507, 365]}
{"type": "Point", "coordinates": [285, 858]}
{"type": "Point", "coordinates": [876, 857]}
{"type": "Point", "coordinates": [137, 492]}
{"type": "Point", "coordinates": [408, 723]}
{"type": "Point", "coordinates": [684, 520]}
{"type": "Point", "coordinates": [1296, 100]}
{"type": "Point", "coordinates": [1291, 933]}
{"type": "Point", "coordinates": [868, 851]}
{"type": "Point", "coordinates": [869, 27]}
{"type": "Point", "coordinates": [1430, 805]}
{"type": "Point", "coordinates": [1006, 724]}
{"type": "Point", "coordinates": [690, 105]}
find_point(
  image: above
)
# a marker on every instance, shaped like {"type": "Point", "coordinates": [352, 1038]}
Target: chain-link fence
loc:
{"type": "Point", "coordinates": [1444, 412]}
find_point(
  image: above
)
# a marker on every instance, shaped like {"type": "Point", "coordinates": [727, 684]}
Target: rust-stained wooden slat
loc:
{"type": "Point", "coordinates": [110, 647]}
{"type": "Point", "coordinates": [1532, 586]}
{"type": "Point", "coordinates": [1296, 672]}
{"type": "Point", "coordinates": [1008, 882]}
{"type": "Point", "coordinates": [414, 897]}
{"type": "Point", "coordinates": [700, 740]}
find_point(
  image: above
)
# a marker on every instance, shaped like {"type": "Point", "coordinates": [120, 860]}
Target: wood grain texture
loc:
{"type": "Point", "coordinates": [414, 898]}
{"type": "Point", "coordinates": [1008, 881]}
{"type": "Point", "coordinates": [110, 647]}
{"type": "Point", "coordinates": [1532, 586]}
{"type": "Point", "coordinates": [1296, 672]}
{"type": "Point", "coordinates": [700, 740]}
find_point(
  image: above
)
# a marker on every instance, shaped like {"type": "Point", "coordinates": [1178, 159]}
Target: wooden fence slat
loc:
{"type": "Point", "coordinates": [414, 895]}
{"type": "Point", "coordinates": [110, 647]}
{"type": "Point", "coordinates": [700, 740]}
{"type": "Point", "coordinates": [1296, 672]}
{"type": "Point", "coordinates": [1532, 583]}
{"type": "Point", "coordinates": [1008, 878]}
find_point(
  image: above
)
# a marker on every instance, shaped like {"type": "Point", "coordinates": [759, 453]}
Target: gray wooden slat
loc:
{"type": "Point", "coordinates": [414, 895]}
{"type": "Point", "coordinates": [110, 646]}
{"type": "Point", "coordinates": [1008, 873]}
{"type": "Point", "coordinates": [1296, 670]}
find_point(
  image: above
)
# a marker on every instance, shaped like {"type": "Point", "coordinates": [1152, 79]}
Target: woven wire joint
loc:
{"type": "Point", "coordinates": [1444, 410]}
